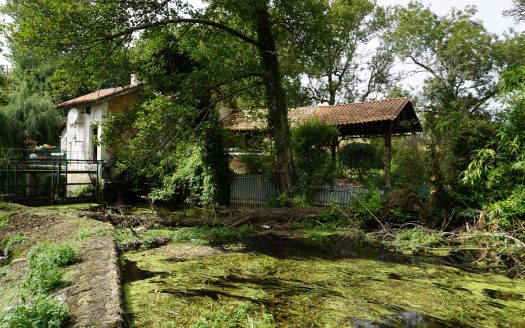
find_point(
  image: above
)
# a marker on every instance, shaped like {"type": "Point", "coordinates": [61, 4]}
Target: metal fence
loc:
{"type": "Point", "coordinates": [253, 191]}
{"type": "Point", "coordinates": [341, 195]}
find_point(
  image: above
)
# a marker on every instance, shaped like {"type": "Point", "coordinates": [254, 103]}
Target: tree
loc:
{"type": "Point", "coordinates": [461, 62]}
{"type": "Point", "coordinates": [334, 54]}
{"type": "Point", "coordinates": [99, 28]}
{"type": "Point", "coordinates": [518, 12]}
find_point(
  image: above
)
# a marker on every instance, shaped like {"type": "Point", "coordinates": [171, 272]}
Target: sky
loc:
{"type": "Point", "coordinates": [489, 11]}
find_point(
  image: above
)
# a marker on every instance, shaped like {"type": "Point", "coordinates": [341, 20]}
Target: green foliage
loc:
{"type": "Point", "coordinates": [39, 313]}
{"type": "Point", "coordinates": [311, 142]}
{"type": "Point", "coordinates": [11, 242]}
{"type": "Point", "coordinates": [257, 164]}
{"type": "Point", "coordinates": [331, 54]}
{"type": "Point", "coordinates": [243, 315]}
{"type": "Point", "coordinates": [4, 218]}
{"type": "Point", "coordinates": [410, 161]}
{"type": "Point", "coordinates": [360, 158]}
{"type": "Point", "coordinates": [367, 204]}
{"type": "Point", "coordinates": [46, 262]}
{"type": "Point", "coordinates": [84, 191]}
{"type": "Point", "coordinates": [416, 238]}
{"type": "Point", "coordinates": [283, 200]}
{"type": "Point", "coordinates": [509, 209]}
{"type": "Point", "coordinates": [30, 115]}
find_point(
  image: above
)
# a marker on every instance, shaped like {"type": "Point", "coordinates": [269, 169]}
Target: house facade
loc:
{"type": "Point", "coordinates": [81, 132]}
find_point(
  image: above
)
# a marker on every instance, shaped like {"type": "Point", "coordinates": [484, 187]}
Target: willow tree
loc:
{"type": "Point", "coordinates": [92, 30]}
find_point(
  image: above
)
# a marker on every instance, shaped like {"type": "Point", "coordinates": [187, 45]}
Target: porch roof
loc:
{"type": "Point", "coordinates": [357, 119]}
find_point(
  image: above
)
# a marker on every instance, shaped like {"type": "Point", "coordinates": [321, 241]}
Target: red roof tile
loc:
{"type": "Point", "coordinates": [96, 96]}
{"type": "Point", "coordinates": [337, 115]}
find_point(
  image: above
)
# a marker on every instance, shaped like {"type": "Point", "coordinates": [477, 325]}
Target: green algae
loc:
{"type": "Point", "coordinates": [204, 286]}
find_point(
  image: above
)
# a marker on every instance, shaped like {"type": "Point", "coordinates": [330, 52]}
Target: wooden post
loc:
{"type": "Point", "coordinates": [30, 185]}
{"type": "Point", "coordinates": [333, 148]}
{"type": "Point", "coordinates": [388, 155]}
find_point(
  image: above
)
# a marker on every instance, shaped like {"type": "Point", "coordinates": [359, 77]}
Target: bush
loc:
{"type": "Point", "coordinates": [40, 313]}
{"type": "Point", "coordinates": [46, 262]}
{"type": "Point", "coordinates": [283, 200]}
{"type": "Point", "coordinates": [368, 204]}
{"type": "Point", "coordinates": [360, 158]}
{"type": "Point", "coordinates": [84, 191]}
{"type": "Point", "coordinates": [415, 238]}
{"type": "Point", "coordinates": [310, 143]}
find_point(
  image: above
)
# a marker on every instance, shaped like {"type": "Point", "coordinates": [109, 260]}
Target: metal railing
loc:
{"type": "Point", "coordinates": [29, 178]}
{"type": "Point", "coordinates": [251, 191]}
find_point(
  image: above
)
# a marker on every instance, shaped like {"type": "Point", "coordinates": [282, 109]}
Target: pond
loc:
{"type": "Point", "coordinates": [276, 281]}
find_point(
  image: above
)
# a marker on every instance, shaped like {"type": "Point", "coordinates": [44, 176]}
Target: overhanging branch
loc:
{"type": "Point", "coordinates": [195, 21]}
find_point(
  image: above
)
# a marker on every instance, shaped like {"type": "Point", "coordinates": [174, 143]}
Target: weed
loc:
{"type": "Point", "coordinates": [244, 315]}
{"type": "Point", "coordinates": [283, 200]}
{"type": "Point", "coordinates": [4, 218]}
{"type": "Point", "coordinates": [88, 232]}
{"type": "Point", "coordinates": [11, 243]}
{"type": "Point", "coordinates": [416, 238]}
{"type": "Point", "coordinates": [46, 262]}
{"type": "Point", "coordinates": [367, 205]}
{"type": "Point", "coordinates": [41, 312]}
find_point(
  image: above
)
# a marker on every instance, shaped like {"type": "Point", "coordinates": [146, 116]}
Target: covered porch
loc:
{"type": "Point", "coordinates": [380, 118]}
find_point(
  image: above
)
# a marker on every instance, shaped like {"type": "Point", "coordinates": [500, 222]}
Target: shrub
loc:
{"type": "Point", "coordinates": [84, 191]}
{"type": "Point", "coordinates": [46, 262]}
{"type": "Point", "coordinates": [310, 143]}
{"type": "Point", "coordinates": [415, 238]}
{"type": "Point", "coordinates": [40, 313]}
{"type": "Point", "coordinates": [360, 158]}
{"type": "Point", "coordinates": [283, 200]}
{"type": "Point", "coordinates": [368, 204]}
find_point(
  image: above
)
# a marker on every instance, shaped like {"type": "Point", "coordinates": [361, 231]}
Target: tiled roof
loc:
{"type": "Point", "coordinates": [336, 115]}
{"type": "Point", "coordinates": [96, 96]}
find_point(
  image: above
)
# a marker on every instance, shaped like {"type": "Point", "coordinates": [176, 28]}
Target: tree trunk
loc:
{"type": "Point", "coordinates": [388, 156]}
{"type": "Point", "coordinates": [277, 110]}
{"type": "Point", "coordinates": [331, 90]}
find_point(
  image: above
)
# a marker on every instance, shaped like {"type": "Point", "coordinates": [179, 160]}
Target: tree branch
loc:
{"type": "Point", "coordinates": [196, 21]}
{"type": "Point", "coordinates": [425, 67]}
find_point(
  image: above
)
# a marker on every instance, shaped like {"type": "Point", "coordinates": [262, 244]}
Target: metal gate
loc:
{"type": "Point", "coordinates": [251, 191]}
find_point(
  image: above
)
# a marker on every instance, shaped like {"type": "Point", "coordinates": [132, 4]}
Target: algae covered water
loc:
{"type": "Point", "coordinates": [273, 281]}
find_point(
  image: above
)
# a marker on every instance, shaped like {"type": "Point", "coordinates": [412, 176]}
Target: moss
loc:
{"type": "Point", "coordinates": [192, 283]}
